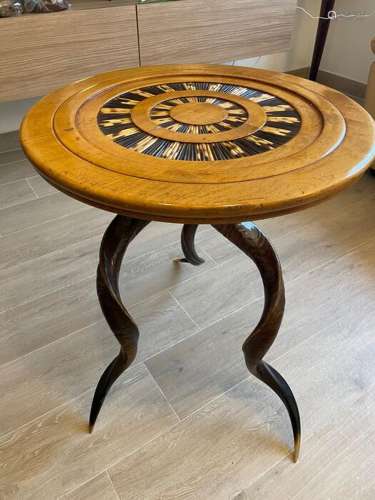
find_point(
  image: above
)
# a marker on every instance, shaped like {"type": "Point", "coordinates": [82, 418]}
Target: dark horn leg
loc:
{"type": "Point", "coordinates": [188, 247]}
{"type": "Point", "coordinates": [116, 239]}
{"type": "Point", "coordinates": [248, 238]}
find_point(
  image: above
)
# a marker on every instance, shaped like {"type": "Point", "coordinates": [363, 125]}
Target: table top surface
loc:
{"type": "Point", "coordinates": [198, 143]}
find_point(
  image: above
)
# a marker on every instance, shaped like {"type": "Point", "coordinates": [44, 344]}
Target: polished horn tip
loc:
{"type": "Point", "coordinates": [297, 447]}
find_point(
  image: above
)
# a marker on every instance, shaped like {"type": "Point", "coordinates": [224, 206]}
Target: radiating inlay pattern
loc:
{"type": "Point", "coordinates": [115, 120]}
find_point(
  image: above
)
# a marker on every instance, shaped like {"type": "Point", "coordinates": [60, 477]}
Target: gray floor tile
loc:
{"type": "Point", "coordinates": [37, 211]}
{"type": "Point", "coordinates": [15, 171]}
{"type": "Point", "coordinates": [15, 193]}
{"type": "Point", "coordinates": [10, 156]}
{"type": "Point", "coordinates": [9, 141]}
{"type": "Point", "coordinates": [41, 187]}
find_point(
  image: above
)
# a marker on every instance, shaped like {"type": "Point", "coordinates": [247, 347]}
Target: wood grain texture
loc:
{"type": "Point", "coordinates": [19, 192]}
{"type": "Point", "coordinates": [15, 171]}
{"type": "Point", "coordinates": [330, 458]}
{"type": "Point", "coordinates": [214, 30]}
{"type": "Point", "coordinates": [150, 274]}
{"type": "Point", "coordinates": [332, 148]}
{"type": "Point", "coordinates": [11, 156]}
{"type": "Point", "coordinates": [49, 322]}
{"type": "Point", "coordinates": [50, 51]}
{"type": "Point", "coordinates": [9, 142]}
{"type": "Point", "coordinates": [35, 212]}
{"type": "Point", "coordinates": [331, 372]}
{"type": "Point", "coordinates": [327, 285]}
{"type": "Point", "coordinates": [68, 310]}
{"type": "Point", "coordinates": [23, 246]}
{"type": "Point", "coordinates": [225, 445]}
{"type": "Point", "coordinates": [20, 283]}
{"type": "Point", "coordinates": [226, 288]}
{"type": "Point", "coordinates": [189, 381]}
{"type": "Point", "coordinates": [99, 488]}
{"type": "Point", "coordinates": [136, 414]}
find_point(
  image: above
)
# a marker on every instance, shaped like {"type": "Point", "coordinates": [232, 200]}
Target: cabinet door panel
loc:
{"type": "Point", "coordinates": [191, 31]}
{"type": "Point", "coordinates": [41, 52]}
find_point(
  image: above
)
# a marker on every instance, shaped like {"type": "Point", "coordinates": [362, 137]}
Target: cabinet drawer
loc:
{"type": "Point", "coordinates": [41, 52]}
{"type": "Point", "coordinates": [188, 31]}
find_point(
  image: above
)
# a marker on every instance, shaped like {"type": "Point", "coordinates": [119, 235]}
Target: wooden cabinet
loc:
{"type": "Point", "coordinates": [192, 31]}
{"type": "Point", "coordinates": [41, 52]}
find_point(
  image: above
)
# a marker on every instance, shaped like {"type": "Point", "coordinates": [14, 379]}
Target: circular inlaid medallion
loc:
{"type": "Point", "coordinates": [199, 121]}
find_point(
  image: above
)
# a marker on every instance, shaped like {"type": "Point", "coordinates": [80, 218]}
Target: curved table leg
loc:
{"type": "Point", "coordinates": [188, 247]}
{"type": "Point", "coordinates": [248, 238]}
{"type": "Point", "coordinates": [116, 239]}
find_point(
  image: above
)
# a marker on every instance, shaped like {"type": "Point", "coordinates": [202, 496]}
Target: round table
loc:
{"type": "Point", "coordinates": [198, 144]}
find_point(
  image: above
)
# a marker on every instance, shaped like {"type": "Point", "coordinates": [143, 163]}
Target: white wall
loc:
{"type": "Point", "coordinates": [348, 45]}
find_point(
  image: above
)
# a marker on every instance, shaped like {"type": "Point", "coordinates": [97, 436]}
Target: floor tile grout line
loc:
{"type": "Point", "coordinates": [10, 162]}
{"type": "Point", "coordinates": [218, 396]}
{"type": "Point", "coordinates": [134, 304]}
{"type": "Point", "coordinates": [15, 204]}
{"type": "Point", "coordinates": [243, 306]}
{"type": "Point", "coordinates": [59, 406]}
{"type": "Point", "coordinates": [106, 469]}
{"type": "Point", "coordinates": [132, 259]}
{"type": "Point", "coordinates": [169, 429]}
{"type": "Point", "coordinates": [45, 414]}
{"type": "Point", "coordinates": [200, 328]}
{"type": "Point", "coordinates": [168, 245]}
{"type": "Point", "coordinates": [31, 187]}
{"type": "Point", "coordinates": [113, 486]}
{"type": "Point", "coordinates": [33, 226]}
{"type": "Point", "coordinates": [75, 488]}
{"type": "Point", "coordinates": [339, 454]}
{"type": "Point", "coordinates": [183, 309]}
{"type": "Point", "coordinates": [172, 427]}
{"type": "Point", "coordinates": [55, 290]}
{"type": "Point", "coordinates": [186, 418]}
{"type": "Point", "coordinates": [87, 277]}
{"type": "Point", "coordinates": [202, 273]}
{"type": "Point", "coordinates": [161, 392]}
{"type": "Point", "coordinates": [91, 387]}
{"type": "Point", "coordinates": [146, 359]}
{"type": "Point", "coordinates": [42, 347]}
{"type": "Point", "coordinates": [18, 148]}
{"type": "Point", "coordinates": [289, 456]}
{"type": "Point", "coordinates": [9, 183]}
{"type": "Point", "coordinates": [113, 464]}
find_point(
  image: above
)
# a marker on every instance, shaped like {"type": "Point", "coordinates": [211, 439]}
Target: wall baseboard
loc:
{"type": "Point", "coordinates": [341, 83]}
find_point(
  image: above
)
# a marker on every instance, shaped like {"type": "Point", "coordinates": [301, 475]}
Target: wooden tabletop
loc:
{"type": "Point", "coordinates": [198, 143]}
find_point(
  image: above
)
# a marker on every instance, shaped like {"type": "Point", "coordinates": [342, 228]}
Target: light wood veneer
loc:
{"type": "Point", "coordinates": [214, 30]}
{"type": "Point", "coordinates": [40, 53]}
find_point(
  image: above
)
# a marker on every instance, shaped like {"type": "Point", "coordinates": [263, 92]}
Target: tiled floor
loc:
{"type": "Point", "coordinates": [186, 420]}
